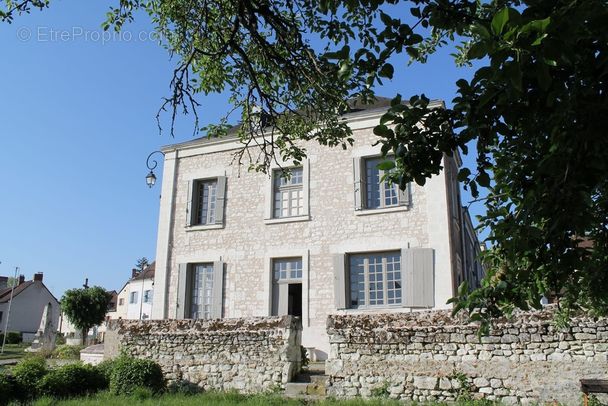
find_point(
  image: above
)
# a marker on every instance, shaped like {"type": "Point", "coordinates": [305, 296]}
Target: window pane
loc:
{"type": "Point", "coordinates": [205, 202]}
{"type": "Point", "coordinates": [375, 279]}
{"type": "Point", "coordinates": [288, 195]}
{"type": "Point", "coordinates": [379, 193]}
{"type": "Point", "coordinates": [202, 291]}
{"type": "Point", "coordinates": [287, 269]}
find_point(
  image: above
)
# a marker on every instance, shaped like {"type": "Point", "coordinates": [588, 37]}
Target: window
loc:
{"type": "Point", "coordinates": [378, 193]}
{"type": "Point", "coordinates": [204, 202]}
{"type": "Point", "coordinates": [383, 279]}
{"type": "Point", "coordinates": [201, 300]}
{"type": "Point", "coordinates": [375, 279]}
{"type": "Point", "coordinates": [207, 201]}
{"type": "Point", "coordinates": [288, 193]}
{"type": "Point", "coordinates": [285, 269]}
{"type": "Point", "coordinates": [148, 296]}
{"type": "Point", "coordinates": [121, 302]}
{"type": "Point", "coordinates": [200, 290]}
{"type": "Point", "coordinates": [0, 316]}
{"type": "Point", "coordinates": [371, 191]}
{"type": "Point", "coordinates": [133, 297]}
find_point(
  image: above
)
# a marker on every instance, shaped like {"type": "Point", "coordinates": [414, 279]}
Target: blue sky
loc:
{"type": "Point", "coordinates": [77, 121]}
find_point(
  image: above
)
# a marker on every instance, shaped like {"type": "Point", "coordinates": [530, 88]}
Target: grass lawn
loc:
{"type": "Point", "coordinates": [219, 399]}
{"type": "Point", "coordinates": [13, 351]}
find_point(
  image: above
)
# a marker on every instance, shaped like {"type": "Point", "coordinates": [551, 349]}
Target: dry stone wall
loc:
{"type": "Point", "coordinates": [246, 354]}
{"type": "Point", "coordinates": [432, 356]}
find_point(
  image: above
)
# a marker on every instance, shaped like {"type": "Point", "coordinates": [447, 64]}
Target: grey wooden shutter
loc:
{"type": "Point", "coordinates": [189, 205]}
{"type": "Point", "coordinates": [405, 196]}
{"type": "Point", "coordinates": [283, 299]}
{"type": "Point", "coordinates": [359, 183]}
{"type": "Point", "coordinates": [340, 281]}
{"type": "Point", "coordinates": [218, 290]}
{"type": "Point", "coordinates": [182, 291]}
{"type": "Point", "coordinates": [220, 198]}
{"type": "Point", "coordinates": [418, 275]}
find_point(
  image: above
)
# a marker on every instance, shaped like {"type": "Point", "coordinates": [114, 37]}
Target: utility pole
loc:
{"type": "Point", "coordinates": [8, 313]}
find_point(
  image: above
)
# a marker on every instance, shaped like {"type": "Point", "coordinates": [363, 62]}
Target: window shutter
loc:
{"type": "Point", "coordinates": [418, 274]}
{"type": "Point", "coordinates": [189, 205]}
{"type": "Point", "coordinates": [283, 299]}
{"type": "Point", "coordinates": [359, 183]}
{"type": "Point", "coordinates": [405, 196]}
{"type": "Point", "coordinates": [182, 291]}
{"type": "Point", "coordinates": [220, 198]}
{"type": "Point", "coordinates": [340, 281]}
{"type": "Point", "coordinates": [218, 289]}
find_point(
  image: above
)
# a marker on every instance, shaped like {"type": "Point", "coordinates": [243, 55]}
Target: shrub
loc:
{"type": "Point", "coordinates": [71, 380]}
{"type": "Point", "coordinates": [27, 374]}
{"type": "Point", "coordinates": [8, 389]}
{"type": "Point", "coordinates": [105, 368]}
{"type": "Point", "coordinates": [67, 352]}
{"type": "Point", "coordinates": [12, 337]}
{"type": "Point", "coordinates": [131, 373]}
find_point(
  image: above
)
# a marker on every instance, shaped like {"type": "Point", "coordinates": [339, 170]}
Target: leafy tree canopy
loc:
{"type": "Point", "coordinates": [536, 107]}
{"type": "Point", "coordinates": [85, 308]}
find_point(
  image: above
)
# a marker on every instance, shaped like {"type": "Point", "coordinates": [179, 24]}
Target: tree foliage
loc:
{"type": "Point", "coordinates": [536, 108]}
{"type": "Point", "coordinates": [85, 308]}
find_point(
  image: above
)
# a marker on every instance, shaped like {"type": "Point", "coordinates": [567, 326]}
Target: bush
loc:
{"type": "Point", "coordinates": [67, 352]}
{"type": "Point", "coordinates": [27, 374]}
{"type": "Point", "coordinates": [130, 373]}
{"type": "Point", "coordinates": [71, 380]}
{"type": "Point", "coordinates": [8, 389]}
{"type": "Point", "coordinates": [12, 337]}
{"type": "Point", "coordinates": [105, 368]}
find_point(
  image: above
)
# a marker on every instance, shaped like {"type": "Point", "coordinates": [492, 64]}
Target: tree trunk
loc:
{"type": "Point", "coordinates": [84, 336]}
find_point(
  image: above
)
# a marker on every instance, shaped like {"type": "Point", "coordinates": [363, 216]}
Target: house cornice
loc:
{"type": "Point", "coordinates": [357, 120]}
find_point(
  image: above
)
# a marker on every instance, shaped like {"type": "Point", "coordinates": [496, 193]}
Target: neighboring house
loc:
{"type": "Point", "coordinates": [139, 294]}
{"type": "Point", "coordinates": [73, 335]}
{"type": "Point", "coordinates": [331, 238]}
{"type": "Point", "coordinates": [29, 301]}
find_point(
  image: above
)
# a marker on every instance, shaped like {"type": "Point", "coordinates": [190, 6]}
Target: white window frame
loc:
{"type": "Point", "coordinates": [202, 175]}
{"type": "Point", "coordinates": [148, 296]}
{"type": "Point", "coordinates": [269, 206]}
{"type": "Point", "coordinates": [190, 293]}
{"type": "Point", "coordinates": [384, 255]}
{"type": "Point", "coordinates": [133, 297]}
{"type": "Point", "coordinates": [279, 190]}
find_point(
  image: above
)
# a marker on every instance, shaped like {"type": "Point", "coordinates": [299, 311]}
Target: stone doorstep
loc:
{"type": "Point", "coordinates": [318, 366]}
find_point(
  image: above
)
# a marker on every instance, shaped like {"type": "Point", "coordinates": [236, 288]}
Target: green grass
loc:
{"type": "Point", "coordinates": [219, 399]}
{"type": "Point", "coordinates": [13, 351]}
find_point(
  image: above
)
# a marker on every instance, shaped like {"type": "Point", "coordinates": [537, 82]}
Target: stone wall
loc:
{"type": "Point", "coordinates": [250, 355]}
{"type": "Point", "coordinates": [429, 355]}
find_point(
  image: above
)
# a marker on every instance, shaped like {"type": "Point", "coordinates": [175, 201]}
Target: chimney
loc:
{"type": "Point", "coordinates": [134, 272]}
{"type": "Point", "coordinates": [3, 282]}
{"type": "Point", "coordinates": [21, 279]}
{"type": "Point", "coordinates": [38, 277]}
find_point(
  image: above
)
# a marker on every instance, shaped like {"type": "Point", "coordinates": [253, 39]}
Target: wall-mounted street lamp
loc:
{"type": "Point", "coordinates": [151, 177]}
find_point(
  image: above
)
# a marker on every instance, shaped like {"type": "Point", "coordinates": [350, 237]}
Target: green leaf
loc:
{"type": "Point", "coordinates": [386, 165]}
{"type": "Point", "coordinates": [477, 51]}
{"type": "Point", "coordinates": [500, 20]}
{"type": "Point", "coordinates": [387, 71]}
{"type": "Point", "coordinates": [463, 174]}
{"type": "Point", "coordinates": [483, 179]}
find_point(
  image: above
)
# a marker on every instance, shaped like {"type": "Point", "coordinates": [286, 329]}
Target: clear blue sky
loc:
{"type": "Point", "coordinates": [77, 121]}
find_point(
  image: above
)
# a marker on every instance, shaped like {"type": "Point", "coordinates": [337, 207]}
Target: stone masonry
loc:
{"type": "Point", "coordinates": [249, 355]}
{"type": "Point", "coordinates": [432, 356]}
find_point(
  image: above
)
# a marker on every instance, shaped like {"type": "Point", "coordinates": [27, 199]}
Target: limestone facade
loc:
{"type": "Point", "coordinates": [248, 239]}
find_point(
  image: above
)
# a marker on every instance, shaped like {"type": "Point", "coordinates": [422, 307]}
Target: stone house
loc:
{"type": "Point", "coordinates": [29, 301]}
{"type": "Point", "coordinates": [331, 238]}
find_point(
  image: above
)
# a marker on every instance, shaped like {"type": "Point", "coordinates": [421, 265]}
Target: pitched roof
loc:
{"type": "Point", "coordinates": [5, 294]}
{"type": "Point", "coordinates": [147, 273]}
{"type": "Point", "coordinates": [379, 105]}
